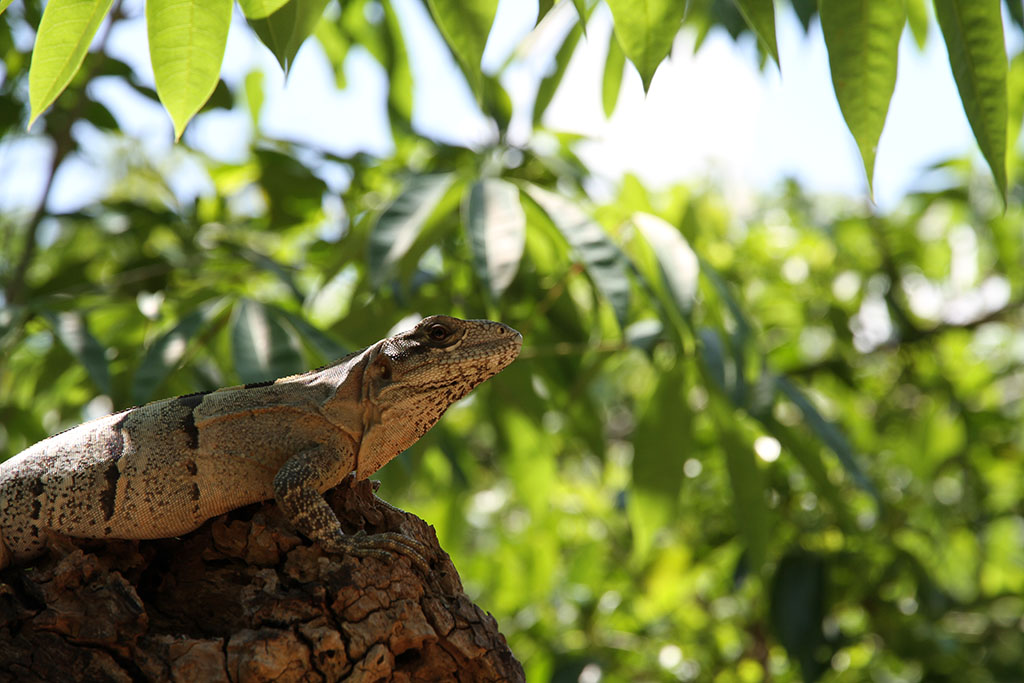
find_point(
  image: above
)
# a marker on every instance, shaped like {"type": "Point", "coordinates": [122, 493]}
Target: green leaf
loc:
{"type": "Point", "coordinates": [603, 260]}
{"type": "Point", "coordinates": [496, 227]}
{"type": "Point", "coordinates": [798, 609]}
{"type": "Point", "coordinates": [186, 46]}
{"type": "Point", "coordinates": [549, 84]}
{"type": "Point", "coordinates": [72, 330]}
{"type": "Point", "coordinates": [465, 27]}
{"type": "Point", "coordinates": [760, 17]}
{"type": "Point", "coordinates": [164, 355]}
{"type": "Point", "coordinates": [661, 444]}
{"type": "Point", "coordinates": [863, 38]}
{"type": "Point", "coordinates": [680, 267]}
{"type": "Point", "coordinates": [398, 227]}
{"type": "Point", "coordinates": [4, 4]}
{"type": "Point", "coordinates": [543, 7]}
{"type": "Point", "coordinates": [611, 83]}
{"type": "Point", "coordinates": [917, 19]}
{"type": "Point", "coordinates": [973, 30]}
{"type": "Point", "coordinates": [581, 10]}
{"type": "Point", "coordinates": [284, 31]}
{"type": "Point", "coordinates": [753, 518]}
{"type": "Point", "coordinates": [261, 347]}
{"type": "Point", "coordinates": [645, 29]}
{"type": "Point", "coordinates": [257, 9]}
{"type": "Point", "coordinates": [63, 38]}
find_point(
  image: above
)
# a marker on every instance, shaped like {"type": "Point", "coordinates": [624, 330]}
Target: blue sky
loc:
{"type": "Point", "coordinates": [713, 113]}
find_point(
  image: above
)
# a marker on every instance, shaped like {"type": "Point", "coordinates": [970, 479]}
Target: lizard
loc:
{"type": "Point", "coordinates": [162, 469]}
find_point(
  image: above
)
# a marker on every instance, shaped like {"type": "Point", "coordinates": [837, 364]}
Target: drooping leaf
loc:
{"type": "Point", "coordinates": [760, 17]}
{"type": "Point", "coordinates": [603, 260]}
{"type": "Point", "coordinates": [973, 30]}
{"type": "Point", "coordinates": [398, 227]}
{"type": "Point", "coordinates": [863, 38]}
{"type": "Point", "coordinates": [646, 29]}
{"type": "Point", "coordinates": [917, 19]}
{"type": "Point", "coordinates": [549, 84]}
{"type": "Point", "coordinates": [163, 356]}
{"type": "Point", "coordinates": [680, 267]}
{"type": "Point", "coordinates": [543, 7]}
{"type": "Point", "coordinates": [1016, 10]}
{"type": "Point", "coordinates": [73, 332]}
{"type": "Point", "coordinates": [286, 29]}
{"type": "Point", "coordinates": [186, 46]}
{"type": "Point", "coordinates": [262, 348]}
{"type": "Point", "coordinates": [496, 226]}
{"type": "Point", "coordinates": [465, 27]}
{"type": "Point", "coordinates": [400, 99]}
{"type": "Point", "coordinates": [805, 11]}
{"type": "Point", "coordinates": [829, 433]}
{"type": "Point", "coordinates": [325, 346]}
{"type": "Point", "coordinates": [611, 83]}
{"type": "Point", "coordinates": [65, 31]}
{"type": "Point", "coordinates": [257, 9]}
{"type": "Point", "coordinates": [254, 95]}
{"type": "Point", "coordinates": [798, 608]}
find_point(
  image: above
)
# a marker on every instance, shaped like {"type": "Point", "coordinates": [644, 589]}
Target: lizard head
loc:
{"type": "Point", "coordinates": [412, 378]}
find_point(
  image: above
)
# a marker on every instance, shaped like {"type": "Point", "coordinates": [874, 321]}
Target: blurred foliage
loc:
{"type": "Point", "coordinates": [782, 441]}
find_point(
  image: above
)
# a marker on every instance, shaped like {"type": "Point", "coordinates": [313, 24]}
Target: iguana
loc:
{"type": "Point", "coordinates": [162, 469]}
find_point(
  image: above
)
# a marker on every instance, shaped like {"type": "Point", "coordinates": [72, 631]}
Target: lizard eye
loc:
{"type": "Point", "coordinates": [384, 368]}
{"type": "Point", "coordinates": [438, 332]}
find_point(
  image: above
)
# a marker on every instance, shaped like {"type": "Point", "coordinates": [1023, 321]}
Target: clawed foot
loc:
{"type": "Point", "coordinates": [383, 546]}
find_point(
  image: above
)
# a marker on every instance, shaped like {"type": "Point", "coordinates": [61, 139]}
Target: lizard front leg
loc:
{"type": "Point", "coordinates": [297, 487]}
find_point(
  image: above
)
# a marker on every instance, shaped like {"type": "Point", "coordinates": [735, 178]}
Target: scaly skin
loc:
{"type": "Point", "coordinates": [162, 469]}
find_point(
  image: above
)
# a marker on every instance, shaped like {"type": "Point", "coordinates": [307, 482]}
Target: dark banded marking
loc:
{"type": "Point", "coordinates": [111, 473]}
{"type": "Point", "coordinates": [188, 420]}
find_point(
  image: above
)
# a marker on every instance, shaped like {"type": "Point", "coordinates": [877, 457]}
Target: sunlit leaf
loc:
{"type": "Point", "coordinates": [186, 46]}
{"type": "Point", "coordinates": [496, 226]}
{"type": "Point", "coordinates": [973, 30]}
{"type": "Point", "coordinates": [4, 4]}
{"type": "Point", "coordinates": [254, 95]}
{"type": "Point", "coordinates": [863, 38]}
{"type": "Point", "coordinates": [257, 9]}
{"type": "Point", "coordinates": [262, 349]}
{"type": "Point", "coordinates": [64, 34]}
{"type": "Point", "coordinates": [73, 332]}
{"type": "Point", "coordinates": [465, 26]}
{"type": "Point", "coordinates": [917, 19]}
{"type": "Point", "coordinates": [286, 29]}
{"type": "Point", "coordinates": [646, 29]}
{"type": "Point", "coordinates": [679, 265]}
{"type": "Point", "coordinates": [611, 83]}
{"type": "Point", "coordinates": [398, 227]}
{"type": "Point", "coordinates": [603, 260]}
{"type": "Point", "coordinates": [760, 17]}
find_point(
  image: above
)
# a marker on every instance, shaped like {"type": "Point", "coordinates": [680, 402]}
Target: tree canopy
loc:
{"type": "Point", "coordinates": [783, 442]}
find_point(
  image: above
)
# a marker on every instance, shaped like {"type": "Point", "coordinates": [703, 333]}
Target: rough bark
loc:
{"type": "Point", "coordinates": [244, 598]}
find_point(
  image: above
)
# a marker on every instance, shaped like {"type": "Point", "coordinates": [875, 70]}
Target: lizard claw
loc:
{"type": "Point", "coordinates": [383, 546]}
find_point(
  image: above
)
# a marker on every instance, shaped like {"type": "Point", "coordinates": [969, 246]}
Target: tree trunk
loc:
{"type": "Point", "coordinates": [244, 598]}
